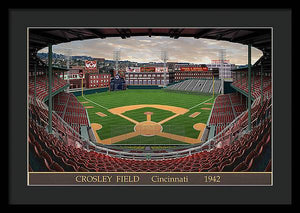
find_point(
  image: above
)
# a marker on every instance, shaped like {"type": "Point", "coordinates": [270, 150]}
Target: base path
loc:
{"type": "Point", "coordinates": [148, 127]}
{"type": "Point", "coordinates": [169, 118]}
{"type": "Point", "coordinates": [176, 110]}
{"type": "Point", "coordinates": [119, 138]}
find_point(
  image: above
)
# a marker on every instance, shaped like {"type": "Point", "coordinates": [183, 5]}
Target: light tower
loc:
{"type": "Point", "coordinates": [68, 58]}
{"type": "Point", "coordinates": [116, 59]}
{"type": "Point", "coordinates": [164, 58]}
{"type": "Point", "coordinates": [222, 58]}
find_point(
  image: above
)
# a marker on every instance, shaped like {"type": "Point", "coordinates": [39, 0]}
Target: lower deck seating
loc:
{"type": "Point", "coordinates": [226, 108]}
{"type": "Point", "coordinates": [243, 154]}
{"type": "Point", "coordinates": [72, 111]}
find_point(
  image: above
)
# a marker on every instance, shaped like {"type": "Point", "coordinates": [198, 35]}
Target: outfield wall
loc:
{"type": "Point", "coordinates": [90, 91]}
{"type": "Point", "coordinates": [144, 87]}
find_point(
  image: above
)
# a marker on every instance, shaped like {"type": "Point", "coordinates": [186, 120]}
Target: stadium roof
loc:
{"type": "Point", "coordinates": [258, 37]}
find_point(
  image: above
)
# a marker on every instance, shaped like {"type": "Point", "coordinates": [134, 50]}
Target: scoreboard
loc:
{"type": "Point", "coordinates": [193, 68]}
{"type": "Point", "coordinates": [147, 69]}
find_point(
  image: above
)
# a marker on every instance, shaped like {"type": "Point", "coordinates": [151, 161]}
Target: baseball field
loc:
{"type": "Point", "coordinates": [147, 116]}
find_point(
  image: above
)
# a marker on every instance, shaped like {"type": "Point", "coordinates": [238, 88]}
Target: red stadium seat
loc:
{"type": "Point", "coordinates": [57, 168]}
{"type": "Point", "coordinates": [214, 160]}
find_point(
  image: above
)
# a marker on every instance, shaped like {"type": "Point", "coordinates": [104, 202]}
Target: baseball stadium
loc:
{"type": "Point", "coordinates": [149, 119]}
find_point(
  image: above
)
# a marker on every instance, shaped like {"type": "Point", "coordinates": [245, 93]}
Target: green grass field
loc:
{"type": "Point", "coordinates": [114, 125]}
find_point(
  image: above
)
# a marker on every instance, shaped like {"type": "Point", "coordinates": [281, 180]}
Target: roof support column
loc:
{"type": "Point", "coordinates": [243, 76]}
{"type": "Point", "coordinates": [53, 79]}
{"type": "Point", "coordinates": [236, 78]}
{"type": "Point", "coordinates": [249, 87]}
{"type": "Point", "coordinates": [253, 80]}
{"type": "Point", "coordinates": [241, 97]}
{"type": "Point", "coordinates": [50, 88]}
{"type": "Point", "coordinates": [35, 82]}
{"type": "Point", "coordinates": [261, 84]}
{"type": "Point", "coordinates": [46, 74]}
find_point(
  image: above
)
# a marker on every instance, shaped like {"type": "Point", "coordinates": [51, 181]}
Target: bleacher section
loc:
{"type": "Point", "coordinates": [197, 85]}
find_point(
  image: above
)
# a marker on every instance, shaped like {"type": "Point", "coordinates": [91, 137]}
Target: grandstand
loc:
{"type": "Point", "coordinates": [42, 85]}
{"type": "Point", "coordinates": [237, 135]}
{"type": "Point", "coordinates": [69, 109]}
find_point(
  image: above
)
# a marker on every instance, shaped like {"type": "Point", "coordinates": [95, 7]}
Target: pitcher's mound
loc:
{"type": "Point", "coordinates": [148, 128]}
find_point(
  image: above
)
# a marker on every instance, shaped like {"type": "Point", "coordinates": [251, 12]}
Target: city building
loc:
{"type": "Point", "coordinates": [148, 76]}
{"type": "Point", "coordinates": [96, 80]}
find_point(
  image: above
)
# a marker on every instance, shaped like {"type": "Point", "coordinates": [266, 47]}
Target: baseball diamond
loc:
{"type": "Point", "coordinates": [102, 115]}
{"type": "Point", "coordinates": [147, 113]}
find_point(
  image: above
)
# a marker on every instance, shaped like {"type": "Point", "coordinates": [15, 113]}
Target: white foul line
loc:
{"type": "Point", "coordinates": [95, 103]}
{"type": "Point", "coordinates": [200, 103]}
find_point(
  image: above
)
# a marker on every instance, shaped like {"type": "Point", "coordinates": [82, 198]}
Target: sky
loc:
{"type": "Point", "coordinates": [148, 49]}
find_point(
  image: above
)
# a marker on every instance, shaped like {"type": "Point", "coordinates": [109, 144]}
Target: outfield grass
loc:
{"type": "Point", "coordinates": [114, 125]}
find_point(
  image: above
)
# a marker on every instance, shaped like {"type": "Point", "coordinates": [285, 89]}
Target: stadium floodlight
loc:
{"type": "Point", "coordinates": [164, 58]}
{"type": "Point", "coordinates": [67, 56]}
{"type": "Point", "coordinates": [222, 58]}
{"type": "Point", "coordinates": [116, 58]}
